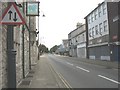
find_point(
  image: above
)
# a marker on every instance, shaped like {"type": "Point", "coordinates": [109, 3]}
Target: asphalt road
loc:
{"type": "Point", "coordinates": [83, 75]}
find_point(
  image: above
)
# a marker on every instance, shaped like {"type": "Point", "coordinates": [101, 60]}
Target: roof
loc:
{"type": "Point", "coordinates": [76, 29]}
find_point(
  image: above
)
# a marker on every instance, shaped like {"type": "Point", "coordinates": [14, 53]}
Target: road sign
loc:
{"type": "Point", "coordinates": [32, 8]}
{"type": "Point", "coordinates": [12, 16]}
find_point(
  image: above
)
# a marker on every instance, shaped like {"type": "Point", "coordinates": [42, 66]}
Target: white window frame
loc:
{"type": "Point", "coordinates": [96, 29]}
{"type": "Point", "coordinates": [104, 9]}
{"type": "Point", "coordinates": [90, 34]}
{"type": "Point", "coordinates": [99, 12]}
{"type": "Point", "coordinates": [100, 28]}
{"type": "Point", "coordinates": [92, 17]}
{"type": "Point", "coordinates": [105, 26]}
{"type": "Point", "coordinates": [96, 15]}
{"type": "Point", "coordinates": [93, 31]}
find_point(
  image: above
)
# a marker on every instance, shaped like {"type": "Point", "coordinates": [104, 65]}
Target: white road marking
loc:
{"type": "Point", "coordinates": [82, 69]}
{"type": "Point", "coordinates": [69, 63]}
{"type": "Point", "coordinates": [109, 79]}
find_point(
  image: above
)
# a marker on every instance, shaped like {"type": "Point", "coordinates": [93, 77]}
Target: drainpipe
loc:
{"type": "Point", "coordinates": [23, 29]}
{"type": "Point", "coordinates": [87, 40]}
{"type": "Point", "coordinates": [11, 56]}
{"type": "Point", "coordinates": [29, 46]}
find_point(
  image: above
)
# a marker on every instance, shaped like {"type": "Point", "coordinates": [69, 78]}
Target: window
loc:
{"type": "Point", "coordinates": [104, 9]}
{"type": "Point", "coordinates": [90, 33]}
{"type": "Point", "coordinates": [83, 37]}
{"type": "Point", "coordinates": [95, 14]}
{"type": "Point", "coordinates": [100, 28]}
{"type": "Point", "coordinates": [93, 31]}
{"type": "Point", "coordinates": [105, 26]}
{"type": "Point", "coordinates": [96, 29]}
{"type": "Point", "coordinates": [92, 17]}
{"type": "Point", "coordinates": [89, 21]}
{"type": "Point", "coordinates": [99, 11]}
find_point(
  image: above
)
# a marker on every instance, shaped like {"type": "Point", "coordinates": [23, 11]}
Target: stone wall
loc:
{"type": "Point", "coordinates": [34, 56]}
{"type": "Point", "coordinates": [4, 56]}
{"type": "Point", "coordinates": [0, 49]}
{"type": "Point", "coordinates": [17, 47]}
{"type": "Point", "coordinates": [3, 52]}
{"type": "Point", "coordinates": [26, 51]}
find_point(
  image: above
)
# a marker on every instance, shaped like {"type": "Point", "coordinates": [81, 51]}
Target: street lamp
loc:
{"type": "Point", "coordinates": [32, 9]}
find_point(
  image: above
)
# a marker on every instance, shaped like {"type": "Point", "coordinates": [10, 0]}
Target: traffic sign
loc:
{"type": "Point", "coordinates": [12, 16]}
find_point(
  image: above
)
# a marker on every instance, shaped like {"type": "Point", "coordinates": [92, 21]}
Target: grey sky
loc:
{"type": "Point", "coordinates": [61, 18]}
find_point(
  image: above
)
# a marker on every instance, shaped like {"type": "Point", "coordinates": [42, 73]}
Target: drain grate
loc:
{"type": "Point", "coordinates": [29, 76]}
{"type": "Point", "coordinates": [25, 82]}
{"type": "Point", "coordinates": [32, 72]}
{"type": "Point", "coordinates": [108, 67]}
{"type": "Point", "coordinates": [33, 64]}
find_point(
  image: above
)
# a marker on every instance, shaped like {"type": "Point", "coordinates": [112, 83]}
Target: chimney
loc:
{"type": "Point", "coordinates": [79, 25]}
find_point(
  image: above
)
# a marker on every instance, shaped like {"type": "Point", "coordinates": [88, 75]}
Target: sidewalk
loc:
{"type": "Point", "coordinates": [42, 76]}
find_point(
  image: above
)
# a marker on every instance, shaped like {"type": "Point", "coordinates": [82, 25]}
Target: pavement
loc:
{"type": "Point", "coordinates": [42, 75]}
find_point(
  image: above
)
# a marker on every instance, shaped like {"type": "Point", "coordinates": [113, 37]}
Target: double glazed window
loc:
{"type": "Point", "coordinates": [105, 25]}
{"type": "Point", "coordinates": [96, 14]}
{"type": "Point", "coordinates": [104, 9]}
{"type": "Point", "coordinates": [96, 29]}
{"type": "Point", "coordinates": [100, 28]}
{"type": "Point", "coordinates": [93, 31]}
{"type": "Point", "coordinates": [99, 12]}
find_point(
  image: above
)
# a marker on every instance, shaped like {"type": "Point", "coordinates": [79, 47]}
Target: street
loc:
{"type": "Point", "coordinates": [79, 74]}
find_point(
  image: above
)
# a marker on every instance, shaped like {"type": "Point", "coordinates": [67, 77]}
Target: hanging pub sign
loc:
{"type": "Point", "coordinates": [32, 8]}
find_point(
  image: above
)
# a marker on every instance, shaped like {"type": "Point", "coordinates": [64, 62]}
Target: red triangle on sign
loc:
{"type": "Point", "coordinates": [12, 16]}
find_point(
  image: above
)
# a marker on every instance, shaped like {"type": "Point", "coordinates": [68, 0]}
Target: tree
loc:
{"type": "Point", "coordinates": [54, 48]}
{"type": "Point", "coordinates": [43, 49]}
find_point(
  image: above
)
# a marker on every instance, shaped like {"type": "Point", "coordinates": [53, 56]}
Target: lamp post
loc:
{"type": "Point", "coordinates": [32, 9]}
{"type": "Point", "coordinates": [43, 15]}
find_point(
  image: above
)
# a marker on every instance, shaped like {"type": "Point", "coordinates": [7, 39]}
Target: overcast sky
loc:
{"type": "Point", "coordinates": [61, 18]}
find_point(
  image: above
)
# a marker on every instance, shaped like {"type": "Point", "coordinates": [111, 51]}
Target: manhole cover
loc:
{"type": "Point", "coordinates": [25, 83]}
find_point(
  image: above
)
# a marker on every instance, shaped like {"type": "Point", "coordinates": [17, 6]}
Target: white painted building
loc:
{"type": "Point", "coordinates": [102, 32]}
{"type": "Point", "coordinates": [77, 42]}
{"type": "Point", "coordinates": [98, 32]}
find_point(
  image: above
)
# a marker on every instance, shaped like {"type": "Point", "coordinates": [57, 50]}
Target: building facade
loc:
{"type": "Point", "coordinates": [65, 46]}
{"type": "Point", "coordinates": [21, 46]}
{"type": "Point", "coordinates": [81, 43]}
{"type": "Point", "coordinates": [99, 31]}
{"type": "Point", "coordinates": [114, 29]}
{"type": "Point", "coordinates": [77, 42]}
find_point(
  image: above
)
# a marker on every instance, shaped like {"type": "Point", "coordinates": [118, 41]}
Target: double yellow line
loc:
{"type": "Point", "coordinates": [67, 85]}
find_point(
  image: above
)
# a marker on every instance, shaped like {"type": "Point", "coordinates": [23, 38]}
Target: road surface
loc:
{"type": "Point", "coordinates": [79, 74]}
